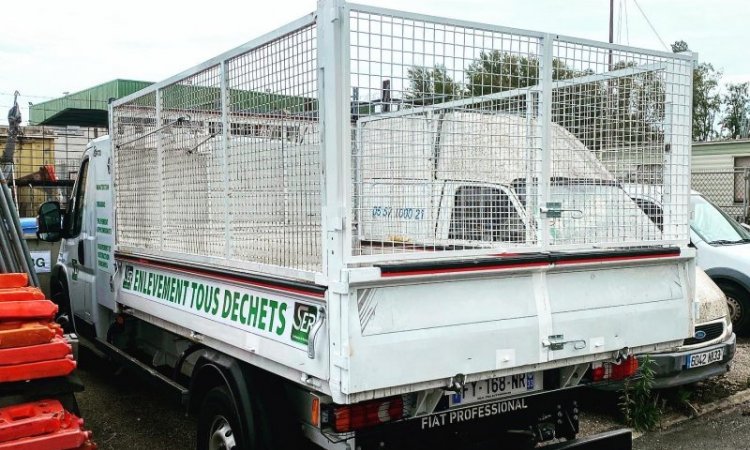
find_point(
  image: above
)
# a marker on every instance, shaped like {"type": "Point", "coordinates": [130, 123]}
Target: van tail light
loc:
{"type": "Point", "coordinates": [347, 418]}
{"type": "Point", "coordinates": [614, 372]}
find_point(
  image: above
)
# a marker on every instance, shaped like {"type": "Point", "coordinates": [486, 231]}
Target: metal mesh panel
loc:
{"type": "Point", "coordinates": [613, 114]}
{"type": "Point", "coordinates": [432, 102]}
{"type": "Point", "coordinates": [192, 158]}
{"type": "Point", "coordinates": [137, 186]}
{"type": "Point", "coordinates": [225, 163]}
{"type": "Point", "coordinates": [478, 138]}
{"type": "Point", "coordinates": [274, 153]}
{"type": "Point", "coordinates": [727, 189]}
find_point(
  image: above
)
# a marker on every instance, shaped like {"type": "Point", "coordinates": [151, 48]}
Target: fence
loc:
{"type": "Point", "coordinates": [45, 163]}
{"type": "Point", "coordinates": [359, 134]}
{"type": "Point", "coordinates": [727, 189]}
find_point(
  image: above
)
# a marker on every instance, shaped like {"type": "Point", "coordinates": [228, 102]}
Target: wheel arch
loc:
{"type": "Point", "coordinates": [217, 369]}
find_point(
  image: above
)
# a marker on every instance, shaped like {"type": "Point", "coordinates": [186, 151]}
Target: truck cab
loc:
{"type": "Point", "coordinates": [81, 281]}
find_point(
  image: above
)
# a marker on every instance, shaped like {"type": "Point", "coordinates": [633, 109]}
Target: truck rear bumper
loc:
{"type": "Point", "coordinates": [518, 422]}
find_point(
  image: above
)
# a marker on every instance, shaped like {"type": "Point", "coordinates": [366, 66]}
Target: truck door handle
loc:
{"type": "Point", "coordinates": [81, 253]}
{"type": "Point", "coordinates": [314, 332]}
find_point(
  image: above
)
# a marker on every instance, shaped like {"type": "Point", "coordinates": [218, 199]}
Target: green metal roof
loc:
{"type": "Point", "coordinates": [71, 109]}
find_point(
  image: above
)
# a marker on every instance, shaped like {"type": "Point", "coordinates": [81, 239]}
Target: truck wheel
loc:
{"type": "Point", "coordinates": [219, 422]}
{"type": "Point", "coordinates": [738, 301]}
{"type": "Point", "coordinates": [60, 297]}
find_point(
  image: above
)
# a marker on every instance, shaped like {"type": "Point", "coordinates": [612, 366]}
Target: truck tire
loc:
{"type": "Point", "coordinates": [60, 296]}
{"type": "Point", "coordinates": [738, 301]}
{"type": "Point", "coordinates": [219, 422]}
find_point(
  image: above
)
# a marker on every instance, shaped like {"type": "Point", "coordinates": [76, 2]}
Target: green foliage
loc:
{"type": "Point", "coordinates": [706, 98]}
{"type": "Point", "coordinates": [431, 85]}
{"type": "Point", "coordinates": [737, 109]}
{"type": "Point", "coordinates": [638, 404]}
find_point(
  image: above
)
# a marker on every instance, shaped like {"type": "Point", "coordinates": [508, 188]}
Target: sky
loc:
{"type": "Point", "coordinates": [48, 47]}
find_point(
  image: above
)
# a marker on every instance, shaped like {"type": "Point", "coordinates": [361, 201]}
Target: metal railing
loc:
{"type": "Point", "coordinates": [360, 134]}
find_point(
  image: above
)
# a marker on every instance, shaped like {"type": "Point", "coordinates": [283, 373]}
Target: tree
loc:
{"type": "Point", "coordinates": [431, 85]}
{"type": "Point", "coordinates": [737, 108]}
{"type": "Point", "coordinates": [706, 98]}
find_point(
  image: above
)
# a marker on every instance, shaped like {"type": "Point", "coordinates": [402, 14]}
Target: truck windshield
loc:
{"type": "Point", "coordinates": [714, 225]}
{"type": "Point", "coordinates": [596, 211]}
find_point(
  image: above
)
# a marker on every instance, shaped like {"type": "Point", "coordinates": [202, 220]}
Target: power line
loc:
{"type": "Point", "coordinates": [650, 24]}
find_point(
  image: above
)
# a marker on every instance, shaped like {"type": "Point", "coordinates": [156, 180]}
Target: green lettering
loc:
{"type": "Point", "coordinates": [261, 320]}
{"type": "Point", "coordinates": [273, 304]}
{"type": "Point", "coordinates": [235, 305]}
{"type": "Point", "coordinates": [193, 293]}
{"type": "Point", "coordinates": [282, 320]}
{"type": "Point", "coordinates": [243, 317]}
{"type": "Point", "coordinates": [201, 296]}
{"type": "Point", "coordinates": [227, 307]}
{"type": "Point", "coordinates": [215, 302]}
{"type": "Point", "coordinates": [253, 315]}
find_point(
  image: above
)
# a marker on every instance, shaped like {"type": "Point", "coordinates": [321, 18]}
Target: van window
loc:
{"type": "Point", "coordinates": [484, 213]}
{"type": "Point", "coordinates": [78, 201]}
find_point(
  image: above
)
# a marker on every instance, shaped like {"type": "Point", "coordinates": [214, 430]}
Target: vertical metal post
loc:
{"type": "Point", "coordinates": [228, 248]}
{"type": "Point", "coordinates": [335, 107]}
{"type": "Point", "coordinates": [545, 118]}
{"type": "Point", "coordinates": [159, 166]}
{"type": "Point", "coordinates": [333, 92]}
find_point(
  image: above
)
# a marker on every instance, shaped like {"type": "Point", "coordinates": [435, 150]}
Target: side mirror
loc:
{"type": "Point", "coordinates": [49, 222]}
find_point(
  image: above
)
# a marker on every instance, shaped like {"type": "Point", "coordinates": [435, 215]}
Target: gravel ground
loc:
{"type": "Point", "coordinates": [125, 413]}
{"type": "Point", "coordinates": [600, 412]}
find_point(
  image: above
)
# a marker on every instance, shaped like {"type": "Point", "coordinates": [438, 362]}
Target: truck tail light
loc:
{"type": "Point", "coordinates": [613, 372]}
{"type": "Point", "coordinates": [347, 418]}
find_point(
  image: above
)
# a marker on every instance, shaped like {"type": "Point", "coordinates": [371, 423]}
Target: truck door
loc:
{"type": "Point", "coordinates": [80, 246]}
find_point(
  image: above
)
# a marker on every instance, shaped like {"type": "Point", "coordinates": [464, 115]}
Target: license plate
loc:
{"type": "Point", "coordinates": [479, 391]}
{"type": "Point", "coordinates": [705, 358]}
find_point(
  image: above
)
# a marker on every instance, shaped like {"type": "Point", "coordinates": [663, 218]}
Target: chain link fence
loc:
{"type": "Point", "coordinates": [728, 189]}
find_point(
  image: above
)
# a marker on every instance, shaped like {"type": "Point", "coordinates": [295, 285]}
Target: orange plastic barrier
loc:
{"type": "Point", "coordinates": [13, 280]}
{"type": "Point", "coordinates": [56, 349]}
{"type": "Point", "coordinates": [69, 436]}
{"type": "Point", "coordinates": [30, 419]}
{"type": "Point", "coordinates": [29, 309]}
{"type": "Point", "coordinates": [21, 293]}
{"type": "Point", "coordinates": [41, 369]}
{"type": "Point", "coordinates": [20, 334]}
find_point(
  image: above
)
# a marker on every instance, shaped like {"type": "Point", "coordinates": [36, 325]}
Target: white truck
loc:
{"type": "Point", "coordinates": [304, 248]}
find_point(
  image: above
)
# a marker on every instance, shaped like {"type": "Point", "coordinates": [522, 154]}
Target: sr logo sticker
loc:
{"type": "Point", "coordinates": [304, 318]}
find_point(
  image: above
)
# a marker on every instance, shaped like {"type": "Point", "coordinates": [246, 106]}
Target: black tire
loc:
{"type": "Point", "coordinates": [219, 422]}
{"type": "Point", "coordinates": [738, 301]}
{"type": "Point", "coordinates": [60, 296]}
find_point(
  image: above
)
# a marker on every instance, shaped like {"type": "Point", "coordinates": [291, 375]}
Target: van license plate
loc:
{"type": "Point", "coordinates": [480, 391]}
{"type": "Point", "coordinates": [705, 358]}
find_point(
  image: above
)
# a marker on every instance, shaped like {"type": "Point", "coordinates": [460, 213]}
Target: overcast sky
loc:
{"type": "Point", "coordinates": [49, 47]}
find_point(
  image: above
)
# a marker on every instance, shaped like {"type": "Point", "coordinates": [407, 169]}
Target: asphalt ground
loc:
{"type": "Point", "coordinates": [727, 430]}
{"type": "Point", "coordinates": [125, 413]}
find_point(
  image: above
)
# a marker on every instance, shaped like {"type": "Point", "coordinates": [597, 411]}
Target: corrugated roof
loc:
{"type": "Point", "coordinates": [94, 98]}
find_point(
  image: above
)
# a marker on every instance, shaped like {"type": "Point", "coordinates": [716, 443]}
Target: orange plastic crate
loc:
{"type": "Point", "coordinates": [30, 419]}
{"type": "Point", "coordinates": [13, 280]}
{"type": "Point", "coordinates": [27, 310]}
{"type": "Point", "coordinates": [56, 349]}
{"type": "Point", "coordinates": [35, 370]}
{"type": "Point", "coordinates": [23, 334]}
{"type": "Point", "coordinates": [21, 293]}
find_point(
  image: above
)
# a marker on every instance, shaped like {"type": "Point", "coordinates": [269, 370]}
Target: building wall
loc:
{"type": "Point", "coordinates": [718, 155]}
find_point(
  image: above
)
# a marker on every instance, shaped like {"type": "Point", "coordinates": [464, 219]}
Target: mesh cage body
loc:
{"type": "Point", "coordinates": [458, 139]}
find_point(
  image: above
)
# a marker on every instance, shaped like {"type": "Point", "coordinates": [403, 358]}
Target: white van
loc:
{"type": "Point", "coordinates": [723, 248]}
